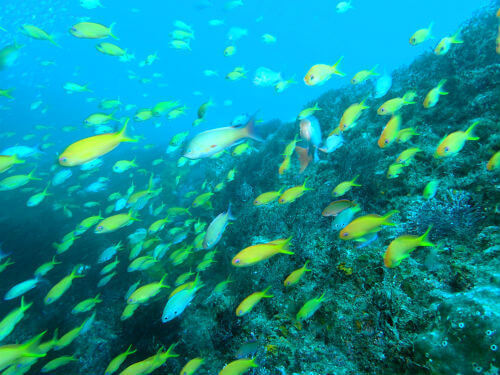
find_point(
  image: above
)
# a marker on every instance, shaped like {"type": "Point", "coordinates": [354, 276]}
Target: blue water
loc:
{"type": "Point", "coordinates": [308, 33]}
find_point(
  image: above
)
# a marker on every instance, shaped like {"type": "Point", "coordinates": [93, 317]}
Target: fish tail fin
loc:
{"type": "Point", "coordinates": [253, 363]}
{"type": "Point", "coordinates": [455, 39]}
{"type": "Point", "coordinates": [249, 129]}
{"type": "Point", "coordinates": [122, 135]}
{"type": "Point", "coordinates": [264, 293]}
{"type": "Point", "coordinates": [51, 40]}
{"type": "Point", "coordinates": [54, 261]}
{"type": "Point", "coordinates": [440, 86]}
{"type": "Point", "coordinates": [408, 97]}
{"type": "Point", "coordinates": [285, 246]}
{"type": "Point", "coordinates": [25, 306]}
{"type": "Point", "coordinates": [96, 298]}
{"type": "Point", "coordinates": [387, 216]}
{"type": "Point", "coordinates": [468, 132]}
{"type": "Point", "coordinates": [16, 160]}
{"type": "Point", "coordinates": [111, 31]}
{"type": "Point", "coordinates": [321, 297]}
{"type": "Point", "coordinates": [133, 215]}
{"type": "Point", "coordinates": [30, 175]}
{"type": "Point", "coordinates": [33, 342]}
{"type": "Point", "coordinates": [335, 69]}
{"type": "Point", "coordinates": [373, 72]}
{"type": "Point", "coordinates": [130, 350]}
{"type": "Point", "coordinates": [162, 280]}
{"type": "Point", "coordinates": [353, 181]}
{"type": "Point", "coordinates": [305, 266]}
{"type": "Point", "coordinates": [423, 238]}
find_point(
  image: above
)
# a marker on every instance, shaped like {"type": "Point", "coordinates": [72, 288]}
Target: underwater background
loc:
{"type": "Point", "coordinates": [317, 235]}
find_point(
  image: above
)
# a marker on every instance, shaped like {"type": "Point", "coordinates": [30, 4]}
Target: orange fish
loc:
{"type": "Point", "coordinates": [454, 142]}
{"type": "Point", "coordinates": [390, 132]}
{"type": "Point", "coordinates": [304, 157]}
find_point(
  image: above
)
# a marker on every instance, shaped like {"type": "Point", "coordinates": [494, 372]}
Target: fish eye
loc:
{"type": "Point", "coordinates": [345, 234]}
{"type": "Point", "coordinates": [382, 110]}
{"type": "Point", "coordinates": [99, 227]}
{"type": "Point", "coordinates": [237, 261]}
{"type": "Point", "coordinates": [311, 78]}
{"type": "Point", "coordinates": [239, 312]}
{"type": "Point", "coordinates": [446, 149]}
{"type": "Point", "coordinates": [386, 141]}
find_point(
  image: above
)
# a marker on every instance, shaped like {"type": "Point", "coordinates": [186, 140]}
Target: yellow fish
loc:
{"type": "Point", "coordinates": [116, 362]}
{"type": "Point", "coordinates": [9, 354]}
{"type": "Point", "coordinates": [308, 112]}
{"type": "Point", "coordinates": [191, 367]}
{"type": "Point", "coordinates": [367, 224]}
{"type": "Point", "coordinates": [390, 131]}
{"type": "Point", "coordinates": [249, 302]}
{"type": "Point", "coordinates": [285, 165]}
{"type": "Point", "coordinates": [290, 195]}
{"type": "Point", "coordinates": [344, 187]}
{"type": "Point", "coordinates": [61, 287]}
{"type": "Point", "coordinates": [395, 104]}
{"type": "Point", "coordinates": [454, 142]}
{"type": "Point", "coordinates": [433, 96]}
{"type": "Point", "coordinates": [321, 73]}
{"type": "Point", "coordinates": [267, 197]}
{"type": "Point", "coordinates": [90, 30]}
{"type": "Point", "coordinates": [401, 247]}
{"type": "Point", "coordinates": [229, 51]}
{"type": "Point", "coordinates": [144, 293]}
{"type": "Point", "coordinates": [445, 44]}
{"type": "Point", "coordinates": [351, 115]}
{"type": "Point", "coordinates": [407, 155]}
{"type": "Point", "coordinates": [296, 275]}
{"type": "Point", "coordinates": [115, 222]}
{"type": "Point", "coordinates": [13, 182]}
{"type": "Point", "coordinates": [257, 253]}
{"type": "Point", "coordinates": [363, 75]}
{"type": "Point", "coordinates": [395, 170]}
{"type": "Point", "coordinates": [421, 35]}
{"type": "Point", "coordinates": [7, 161]}
{"type": "Point", "coordinates": [110, 49]}
{"type": "Point", "coordinates": [404, 135]}
{"type": "Point", "coordinates": [309, 308]}
{"type": "Point", "coordinates": [238, 367]}
{"type": "Point", "coordinates": [39, 34]}
{"type": "Point", "coordinates": [494, 162]}
{"type": "Point", "coordinates": [91, 148]}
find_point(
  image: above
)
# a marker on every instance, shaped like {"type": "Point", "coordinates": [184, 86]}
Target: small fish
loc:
{"type": "Point", "coordinates": [401, 247]}
{"type": "Point", "coordinates": [296, 275]}
{"type": "Point", "coordinates": [454, 142]}
{"type": "Point", "coordinates": [335, 208]}
{"type": "Point", "coordinates": [366, 224]}
{"type": "Point", "coordinates": [343, 6]}
{"type": "Point", "coordinates": [422, 35]}
{"type": "Point", "coordinates": [319, 74]}
{"type": "Point", "coordinates": [345, 217]}
{"type": "Point", "coordinates": [217, 228]}
{"type": "Point", "coordinates": [310, 307]}
{"type": "Point", "coordinates": [249, 302]}
{"type": "Point", "coordinates": [445, 44]}
{"type": "Point", "coordinates": [494, 162]}
{"type": "Point", "coordinates": [394, 170]}
{"type": "Point", "coordinates": [257, 253]}
{"type": "Point", "coordinates": [291, 194]}
{"type": "Point", "coordinates": [344, 187]}
{"type": "Point", "coordinates": [363, 75]}
{"type": "Point", "coordinates": [432, 96]}
{"type": "Point", "coordinates": [393, 105]}
{"type": "Point", "coordinates": [90, 30]}
{"type": "Point", "coordinates": [430, 189]}
{"type": "Point", "coordinates": [390, 132]}
{"type": "Point", "coordinates": [238, 367]}
{"type": "Point", "coordinates": [266, 198]}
